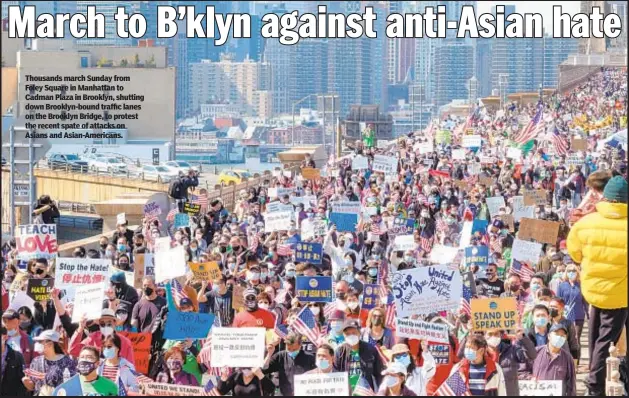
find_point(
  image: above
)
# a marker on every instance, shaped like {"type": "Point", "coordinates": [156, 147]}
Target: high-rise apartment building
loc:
{"type": "Point", "coordinates": [454, 66]}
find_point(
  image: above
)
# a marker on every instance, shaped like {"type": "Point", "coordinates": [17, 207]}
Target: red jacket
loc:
{"type": "Point", "coordinates": [26, 346]}
{"type": "Point", "coordinates": [96, 340]}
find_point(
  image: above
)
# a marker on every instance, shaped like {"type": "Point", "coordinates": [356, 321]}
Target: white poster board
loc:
{"type": "Point", "coordinates": [238, 347]}
{"type": "Point", "coordinates": [360, 163]}
{"type": "Point", "coordinates": [521, 211]}
{"type": "Point", "coordinates": [426, 290]}
{"type": "Point", "coordinates": [540, 388]}
{"type": "Point", "coordinates": [524, 251]}
{"type": "Point", "coordinates": [278, 221]}
{"type": "Point", "coordinates": [404, 243]}
{"type": "Point", "coordinates": [471, 141]}
{"type": "Point", "coordinates": [494, 204]}
{"type": "Point", "coordinates": [322, 385]}
{"type": "Point", "coordinates": [71, 273]}
{"type": "Point", "coordinates": [418, 329]}
{"type": "Point", "coordinates": [458, 154]}
{"type": "Point", "coordinates": [88, 301]}
{"type": "Point", "coordinates": [170, 264]}
{"type": "Point", "coordinates": [385, 164]}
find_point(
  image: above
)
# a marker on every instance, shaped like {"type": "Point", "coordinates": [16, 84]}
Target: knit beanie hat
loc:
{"type": "Point", "coordinates": [616, 190]}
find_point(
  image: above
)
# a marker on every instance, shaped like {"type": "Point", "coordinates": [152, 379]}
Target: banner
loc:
{"type": "Point", "coordinates": [404, 243]}
{"type": "Point", "coordinates": [182, 220]}
{"type": "Point", "coordinates": [191, 209]}
{"type": "Point", "coordinates": [526, 252]}
{"type": "Point", "coordinates": [344, 222]}
{"type": "Point", "coordinates": [346, 207]}
{"type": "Point", "coordinates": [536, 197]}
{"type": "Point", "coordinates": [308, 252]}
{"type": "Point", "coordinates": [360, 163]}
{"type": "Point", "coordinates": [39, 289]}
{"type": "Point", "coordinates": [278, 206]}
{"type": "Point", "coordinates": [36, 241]}
{"type": "Point", "coordinates": [322, 385]}
{"type": "Point", "coordinates": [72, 272]}
{"type": "Point", "coordinates": [494, 313]}
{"type": "Point", "coordinates": [170, 390]}
{"type": "Point", "coordinates": [539, 230]}
{"type": "Point", "coordinates": [205, 271]}
{"type": "Point", "coordinates": [371, 292]}
{"type": "Point", "coordinates": [141, 343]}
{"type": "Point", "coordinates": [540, 388]}
{"type": "Point", "coordinates": [426, 290]}
{"type": "Point", "coordinates": [170, 264]}
{"type": "Point", "coordinates": [185, 325]}
{"type": "Point", "coordinates": [314, 288]}
{"type": "Point", "coordinates": [277, 221]}
{"type": "Point", "coordinates": [88, 301]}
{"type": "Point", "coordinates": [416, 329]}
{"type": "Point", "coordinates": [238, 347]}
{"type": "Point", "coordinates": [494, 204]}
{"type": "Point", "coordinates": [310, 173]}
{"type": "Point", "coordinates": [385, 164]}
{"type": "Point", "coordinates": [441, 353]}
{"type": "Point", "coordinates": [477, 255]}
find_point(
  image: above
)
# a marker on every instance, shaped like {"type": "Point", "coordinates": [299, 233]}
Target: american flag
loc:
{"type": "Point", "coordinates": [122, 391]}
{"type": "Point", "coordinates": [389, 314]}
{"type": "Point", "coordinates": [495, 244]}
{"type": "Point", "coordinates": [426, 243]}
{"type": "Point", "coordinates": [328, 190]}
{"type": "Point", "coordinates": [306, 324]}
{"type": "Point", "coordinates": [533, 128]}
{"type": "Point", "coordinates": [177, 291]}
{"type": "Point", "coordinates": [522, 270]}
{"type": "Point", "coordinates": [382, 355]}
{"type": "Point", "coordinates": [170, 217]}
{"type": "Point", "coordinates": [559, 142]}
{"type": "Point", "coordinates": [466, 297]}
{"type": "Point", "coordinates": [284, 250]}
{"type": "Point", "coordinates": [454, 386]}
{"type": "Point", "coordinates": [280, 330]}
{"type": "Point", "coordinates": [329, 309]}
{"type": "Point", "coordinates": [375, 228]}
{"type": "Point", "coordinates": [441, 224]}
{"type": "Point", "coordinates": [363, 389]}
{"type": "Point", "coordinates": [211, 390]}
{"type": "Point", "coordinates": [33, 374]}
{"type": "Point", "coordinates": [199, 200]}
{"type": "Point", "coordinates": [140, 378]}
{"type": "Point", "coordinates": [205, 357]}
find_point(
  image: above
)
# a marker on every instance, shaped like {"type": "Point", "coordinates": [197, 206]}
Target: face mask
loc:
{"type": "Point", "coordinates": [373, 271]}
{"type": "Point", "coordinates": [323, 364]}
{"type": "Point", "coordinates": [405, 360]}
{"type": "Point", "coordinates": [124, 265]}
{"type": "Point", "coordinates": [408, 259]}
{"type": "Point", "coordinates": [121, 248]}
{"type": "Point", "coordinates": [103, 246]}
{"type": "Point", "coordinates": [293, 354]}
{"type": "Point", "coordinates": [341, 295]}
{"type": "Point", "coordinates": [336, 326]}
{"type": "Point", "coordinates": [148, 291]}
{"type": "Point", "coordinates": [246, 372]}
{"type": "Point", "coordinates": [554, 312]}
{"type": "Point", "coordinates": [38, 348]}
{"type": "Point", "coordinates": [290, 274]}
{"type": "Point", "coordinates": [390, 381]}
{"type": "Point", "coordinates": [351, 340]}
{"type": "Point", "coordinates": [25, 324]}
{"type": "Point", "coordinates": [85, 367]}
{"type": "Point", "coordinates": [264, 306]}
{"type": "Point", "coordinates": [515, 288]}
{"type": "Point", "coordinates": [174, 364]}
{"type": "Point", "coordinates": [541, 322]}
{"type": "Point", "coordinates": [353, 305]}
{"type": "Point", "coordinates": [572, 275]}
{"type": "Point", "coordinates": [493, 341]}
{"type": "Point", "coordinates": [12, 332]}
{"type": "Point", "coordinates": [534, 287]}
{"type": "Point", "coordinates": [106, 331]}
{"type": "Point", "coordinates": [109, 353]}
{"type": "Point", "coordinates": [349, 278]}
{"type": "Point", "coordinates": [254, 276]}
{"type": "Point", "coordinates": [215, 288]}
{"type": "Point", "coordinates": [263, 275]}
{"type": "Point", "coordinates": [470, 354]}
{"type": "Point", "coordinates": [557, 341]}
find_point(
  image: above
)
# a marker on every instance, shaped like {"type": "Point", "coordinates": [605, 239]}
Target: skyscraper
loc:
{"type": "Point", "coordinates": [454, 66]}
{"type": "Point", "coordinates": [108, 9]}
{"type": "Point", "coordinates": [556, 51]}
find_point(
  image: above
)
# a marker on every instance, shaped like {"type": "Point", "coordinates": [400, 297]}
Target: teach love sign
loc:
{"type": "Point", "coordinates": [36, 241]}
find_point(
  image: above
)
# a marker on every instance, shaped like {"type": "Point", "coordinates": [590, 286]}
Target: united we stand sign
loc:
{"type": "Point", "coordinates": [36, 241]}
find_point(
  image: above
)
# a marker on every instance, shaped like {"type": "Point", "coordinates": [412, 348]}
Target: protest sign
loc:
{"type": "Point", "coordinates": [402, 226]}
{"type": "Point", "coordinates": [487, 159]}
{"type": "Point", "coordinates": [170, 390]}
{"type": "Point", "coordinates": [39, 289]}
{"type": "Point", "coordinates": [170, 264]}
{"type": "Point", "coordinates": [138, 270]}
{"type": "Point", "coordinates": [537, 197]}
{"type": "Point", "coordinates": [470, 281]}
{"type": "Point", "coordinates": [182, 220]}
{"type": "Point", "coordinates": [191, 209]}
{"type": "Point", "coordinates": [185, 325]}
{"type": "Point", "coordinates": [526, 252]}
{"type": "Point", "coordinates": [385, 164]}
{"type": "Point", "coordinates": [458, 154]}
{"type": "Point", "coordinates": [514, 153]}
{"type": "Point", "coordinates": [539, 230]}
{"type": "Point", "coordinates": [238, 302]}
{"type": "Point", "coordinates": [404, 242]}
{"type": "Point", "coordinates": [310, 173]}
{"type": "Point", "coordinates": [344, 222]}
{"type": "Point", "coordinates": [313, 228]}
{"type": "Point", "coordinates": [520, 210]}
{"type": "Point", "coordinates": [360, 163]}
{"type": "Point", "coordinates": [306, 252]}
{"type": "Point", "coordinates": [70, 388]}
{"type": "Point", "coordinates": [141, 343]}
{"type": "Point", "coordinates": [278, 206]}
{"type": "Point", "coordinates": [149, 264]}
{"type": "Point", "coordinates": [88, 301]}
{"type": "Point", "coordinates": [474, 168]}
{"type": "Point", "coordinates": [494, 204]}
{"type": "Point", "coordinates": [322, 385]}
{"type": "Point", "coordinates": [205, 271]}
{"type": "Point", "coordinates": [578, 144]}
{"type": "Point", "coordinates": [485, 180]}
{"type": "Point", "coordinates": [540, 388]}
{"type": "Point", "coordinates": [152, 210]}
{"type": "Point", "coordinates": [574, 159]}
{"type": "Point", "coordinates": [441, 353]}
{"type": "Point", "coordinates": [36, 241]}
{"type": "Point", "coordinates": [277, 221]}
{"type": "Point", "coordinates": [278, 192]}
{"type": "Point", "coordinates": [461, 184]}
{"type": "Point", "coordinates": [480, 226]}
{"type": "Point", "coordinates": [416, 329]}
{"type": "Point", "coordinates": [494, 313]}
{"type": "Point", "coordinates": [425, 147]}
{"type": "Point", "coordinates": [238, 347]}
{"type": "Point", "coordinates": [466, 234]}
{"type": "Point", "coordinates": [370, 295]}
{"type": "Point", "coordinates": [443, 137]}
{"type": "Point", "coordinates": [477, 255]}
{"type": "Point", "coordinates": [508, 219]}
{"type": "Point", "coordinates": [121, 219]}
{"type": "Point", "coordinates": [426, 290]}
{"type": "Point", "coordinates": [346, 207]}
{"type": "Point", "coordinates": [21, 299]}
{"type": "Point", "coordinates": [19, 282]}
{"type": "Point", "coordinates": [307, 201]}
{"type": "Point", "coordinates": [73, 272]}
{"type": "Point", "coordinates": [314, 288]}
{"type": "Point", "coordinates": [471, 141]}
{"type": "Point", "coordinates": [443, 254]}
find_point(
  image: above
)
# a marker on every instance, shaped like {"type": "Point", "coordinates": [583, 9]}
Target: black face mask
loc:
{"type": "Point", "coordinates": [93, 328]}
{"type": "Point", "coordinates": [554, 312]}
{"type": "Point", "coordinates": [222, 249]}
{"type": "Point", "coordinates": [123, 265]}
{"type": "Point", "coordinates": [148, 291]}
{"type": "Point", "coordinates": [39, 271]}
{"type": "Point", "coordinates": [340, 296]}
{"type": "Point", "coordinates": [103, 246]}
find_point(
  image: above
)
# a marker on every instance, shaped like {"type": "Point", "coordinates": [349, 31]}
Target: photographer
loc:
{"type": "Point", "coordinates": [46, 210]}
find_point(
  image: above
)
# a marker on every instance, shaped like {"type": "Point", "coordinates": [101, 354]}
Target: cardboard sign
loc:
{"type": "Point", "coordinates": [404, 243]}
{"type": "Point", "coordinates": [310, 173]}
{"type": "Point", "coordinates": [360, 163]}
{"type": "Point", "coordinates": [170, 264]}
{"type": "Point", "coordinates": [462, 185]}
{"type": "Point", "coordinates": [170, 390]}
{"type": "Point", "coordinates": [141, 343]}
{"type": "Point", "coordinates": [416, 329]}
{"type": "Point", "coordinates": [426, 290]}
{"type": "Point", "coordinates": [471, 141]}
{"type": "Point", "coordinates": [185, 325]}
{"type": "Point", "coordinates": [344, 222]}
{"type": "Point", "coordinates": [73, 272]}
{"type": "Point", "coordinates": [191, 209]}
{"type": "Point", "coordinates": [322, 385]}
{"type": "Point", "coordinates": [526, 252]}
{"type": "Point", "coordinates": [485, 180]}
{"type": "Point", "coordinates": [578, 144]}
{"type": "Point", "coordinates": [182, 220]}
{"type": "Point", "coordinates": [308, 252]}
{"type": "Point", "coordinates": [205, 271]}
{"type": "Point", "coordinates": [88, 301]}
{"type": "Point", "coordinates": [371, 292]}
{"type": "Point", "coordinates": [508, 219]}
{"type": "Point", "coordinates": [537, 197]}
{"type": "Point", "coordinates": [238, 347]}
{"type": "Point", "coordinates": [385, 164]}
{"type": "Point", "coordinates": [36, 241]}
{"type": "Point", "coordinates": [316, 289]}
{"type": "Point", "coordinates": [277, 221]}
{"type": "Point", "coordinates": [494, 313]}
{"type": "Point", "coordinates": [540, 388]}
{"type": "Point", "coordinates": [494, 204]}
{"type": "Point", "coordinates": [39, 289]}
{"type": "Point", "coordinates": [121, 219]}
{"type": "Point", "coordinates": [539, 230]}
{"type": "Point", "coordinates": [441, 353]}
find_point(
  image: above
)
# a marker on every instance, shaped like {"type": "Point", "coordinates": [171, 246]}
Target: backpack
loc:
{"type": "Point", "coordinates": [176, 189]}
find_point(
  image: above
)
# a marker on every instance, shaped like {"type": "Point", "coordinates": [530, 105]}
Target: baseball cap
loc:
{"type": "Point", "coordinates": [337, 315]}
{"type": "Point", "coordinates": [10, 314]}
{"type": "Point", "coordinates": [250, 292]}
{"type": "Point", "coordinates": [558, 326]}
{"type": "Point", "coordinates": [118, 277]}
{"type": "Point", "coordinates": [48, 335]}
{"type": "Point", "coordinates": [399, 349]}
{"type": "Point", "coordinates": [351, 323]}
{"type": "Point", "coordinates": [185, 302]}
{"type": "Point", "coordinates": [108, 312]}
{"type": "Point", "coordinates": [562, 245]}
{"type": "Point", "coordinates": [395, 368]}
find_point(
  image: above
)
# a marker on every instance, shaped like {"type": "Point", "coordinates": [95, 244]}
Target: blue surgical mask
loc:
{"type": "Point", "coordinates": [337, 326]}
{"type": "Point", "coordinates": [349, 278]}
{"type": "Point", "coordinates": [293, 354]}
{"type": "Point", "coordinates": [556, 340]}
{"type": "Point", "coordinates": [121, 248]}
{"type": "Point", "coordinates": [12, 332]}
{"type": "Point", "coordinates": [109, 353]}
{"type": "Point", "coordinates": [215, 288]}
{"type": "Point", "coordinates": [470, 354]}
{"type": "Point", "coordinates": [541, 322]}
{"type": "Point", "coordinates": [373, 271]}
{"type": "Point", "coordinates": [404, 360]}
{"type": "Point", "coordinates": [572, 275]}
{"type": "Point", "coordinates": [323, 364]}
{"type": "Point", "coordinates": [534, 287]}
{"type": "Point", "coordinates": [263, 275]}
{"type": "Point", "coordinates": [290, 274]}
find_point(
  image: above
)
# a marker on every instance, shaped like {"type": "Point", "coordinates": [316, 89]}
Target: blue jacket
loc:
{"type": "Point", "coordinates": [575, 303]}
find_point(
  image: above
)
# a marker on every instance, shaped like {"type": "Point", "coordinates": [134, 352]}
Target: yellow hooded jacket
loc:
{"type": "Point", "coordinates": [599, 242]}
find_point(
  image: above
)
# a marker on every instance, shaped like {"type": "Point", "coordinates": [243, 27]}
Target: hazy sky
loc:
{"type": "Point", "coordinates": [543, 7]}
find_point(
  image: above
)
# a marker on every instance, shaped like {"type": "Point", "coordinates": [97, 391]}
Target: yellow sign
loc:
{"type": "Point", "coordinates": [311, 174]}
{"type": "Point", "coordinates": [494, 313]}
{"type": "Point", "coordinates": [205, 271]}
